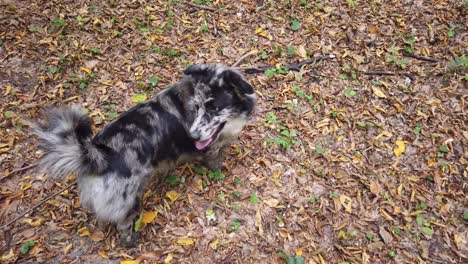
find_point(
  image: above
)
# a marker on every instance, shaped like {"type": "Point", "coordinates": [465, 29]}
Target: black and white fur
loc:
{"type": "Point", "coordinates": [192, 120]}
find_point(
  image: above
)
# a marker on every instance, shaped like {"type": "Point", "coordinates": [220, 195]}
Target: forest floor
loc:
{"type": "Point", "coordinates": [357, 159]}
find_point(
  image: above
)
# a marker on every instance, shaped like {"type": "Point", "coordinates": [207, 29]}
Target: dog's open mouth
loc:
{"type": "Point", "coordinates": [203, 144]}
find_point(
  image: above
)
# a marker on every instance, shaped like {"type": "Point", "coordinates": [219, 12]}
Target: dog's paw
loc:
{"type": "Point", "coordinates": [129, 240]}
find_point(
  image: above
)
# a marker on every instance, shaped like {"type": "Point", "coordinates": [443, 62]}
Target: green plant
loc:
{"type": "Point", "coordinates": [204, 28]}
{"type": "Point", "coordinates": [442, 151]}
{"type": "Point", "coordinates": [394, 57]}
{"type": "Point", "coordinates": [58, 22]}
{"type": "Point", "coordinates": [271, 118]}
{"type": "Point", "coordinates": [410, 44]}
{"type": "Point", "coordinates": [301, 94]}
{"type": "Point", "coordinates": [216, 175]}
{"type": "Point", "coordinates": [254, 198]}
{"type": "Point", "coordinates": [235, 226]}
{"type": "Point", "coordinates": [273, 71]}
{"type": "Point", "coordinates": [295, 25]}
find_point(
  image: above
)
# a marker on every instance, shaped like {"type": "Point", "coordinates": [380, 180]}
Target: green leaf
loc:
{"type": "Point", "coordinates": [216, 175]}
{"type": "Point", "coordinates": [138, 223]}
{"type": "Point", "coordinates": [235, 225]}
{"type": "Point", "coordinates": [451, 32]}
{"type": "Point", "coordinates": [420, 219]}
{"type": "Point", "coordinates": [204, 28]}
{"type": "Point", "coordinates": [112, 115]}
{"type": "Point", "coordinates": [83, 85]}
{"type": "Point", "coordinates": [138, 98]}
{"type": "Point", "coordinates": [254, 198]}
{"type": "Point", "coordinates": [319, 149]}
{"type": "Point", "coordinates": [172, 180]}
{"type": "Point", "coordinates": [313, 199]}
{"type": "Point", "coordinates": [417, 130]}
{"type": "Point", "coordinates": [237, 181]}
{"type": "Point", "coordinates": [465, 215]}
{"type": "Point", "coordinates": [349, 92]}
{"type": "Point", "coordinates": [427, 230]}
{"type": "Point", "coordinates": [295, 25]}
{"type": "Point", "coordinates": [200, 170]}
{"type": "Point", "coordinates": [26, 246]}
{"type": "Point", "coordinates": [294, 260]}
{"type": "Point", "coordinates": [392, 253]}
{"type": "Point", "coordinates": [270, 72]}
{"type": "Point", "coordinates": [153, 80]}
{"type": "Point", "coordinates": [443, 149]}
{"type": "Point", "coordinates": [343, 76]}
{"type": "Point", "coordinates": [263, 55]}
{"type": "Point", "coordinates": [8, 114]}
{"type": "Point", "coordinates": [53, 69]}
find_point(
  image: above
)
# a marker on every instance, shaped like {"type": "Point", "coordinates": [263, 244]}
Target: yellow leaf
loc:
{"type": "Point", "coordinates": [35, 223]}
{"type": "Point", "coordinates": [172, 195]}
{"type": "Point", "coordinates": [185, 241]}
{"type": "Point", "coordinates": [67, 248]}
{"type": "Point", "coordinates": [148, 217]}
{"type": "Point", "coordinates": [136, 261]}
{"type": "Point", "coordinates": [138, 98]}
{"type": "Point", "coordinates": [103, 254]}
{"type": "Point", "coordinates": [86, 69]}
{"type": "Point", "coordinates": [283, 233]}
{"type": "Point", "coordinates": [7, 90]}
{"type": "Point", "coordinates": [346, 202]}
{"type": "Point", "coordinates": [400, 148]}
{"type": "Point", "coordinates": [200, 184]}
{"type": "Point", "coordinates": [431, 161]}
{"type": "Point", "coordinates": [261, 32]}
{"type": "Point", "coordinates": [378, 92]}
{"type": "Point", "coordinates": [84, 231]}
{"type": "Point", "coordinates": [299, 252]}
{"type": "Point", "coordinates": [168, 258]}
{"type": "Point", "coordinates": [215, 244]}
{"type": "Point", "coordinates": [9, 256]}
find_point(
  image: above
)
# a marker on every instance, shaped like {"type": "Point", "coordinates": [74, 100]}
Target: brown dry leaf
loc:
{"type": "Point", "coordinates": [103, 254]}
{"type": "Point", "coordinates": [302, 52]}
{"type": "Point", "coordinates": [35, 223]}
{"type": "Point", "coordinates": [386, 236]}
{"type": "Point", "coordinates": [272, 202]}
{"type": "Point", "coordinates": [97, 236]}
{"type": "Point", "coordinates": [375, 187]}
{"type": "Point", "coordinates": [67, 248]}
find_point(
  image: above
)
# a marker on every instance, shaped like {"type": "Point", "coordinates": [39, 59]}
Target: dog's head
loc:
{"type": "Point", "coordinates": [222, 103]}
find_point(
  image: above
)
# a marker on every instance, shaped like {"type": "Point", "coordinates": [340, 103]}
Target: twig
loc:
{"type": "Point", "coordinates": [423, 58]}
{"type": "Point", "coordinates": [19, 170]}
{"type": "Point", "coordinates": [386, 73]}
{"type": "Point", "coordinates": [252, 52]}
{"type": "Point", "coordinates": [37, 205]}
{"type": "Point", "coordinates": [291, 67]}
{"type": "Point", "coordinates": [201, 6]}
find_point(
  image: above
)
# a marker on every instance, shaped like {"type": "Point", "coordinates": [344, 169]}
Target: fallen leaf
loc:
{"type": "Point", "coordinates": [138, 98]}
{"type": "Point", "coordinates": [272, 202]}
{"type": "Point", "coordinates": [346, 202]}
{"type": "Point", "coordinates": [97, 236]}
{"type": "Point", "coordinates": [148, 217]}
{"type": "Point", "coordinates": [67, 248]}
{"type": "Point", "coordinates": [9, 256]}
{"type": "Point", "coordinates": [84, 231]}
{"type": "Point", "coordinates": [378, 92]}
{"type": "Point", "coordinates": [7, 90]}
{"type": "Point", "coordinates": [136, 261]}
{"type": "Point", "coordinates": [103, 254]}
{"type": "Point", "coordinates": [34, 223]}
{"type": "Point", "coordinates": [86, 69]}
{"type": "Point", "coordinates": [375, 187]}
{"type": "Point", "coordinates": [185, 241]}
{"type": "Point", "coordinates": [172, 195]}
{"type": "Point", "coordinates": [26, 246]}
{"type": "Point", "coordinates": [386, 236]}
{"type": "Point", "coordinates": [215, 244]}
{"type": "Point", "coordinates": [168, 258]}
{"type": "Point", "coordinates": [400, 148]}
{"type": "Point", "coordinates": [302, 52]}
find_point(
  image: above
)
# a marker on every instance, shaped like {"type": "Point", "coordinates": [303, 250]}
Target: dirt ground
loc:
{"type": "Point", "coordinates": [357, 159]}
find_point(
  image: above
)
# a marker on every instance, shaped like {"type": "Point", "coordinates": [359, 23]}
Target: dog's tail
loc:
{"type": "Point", "coordinates": [66, 138]}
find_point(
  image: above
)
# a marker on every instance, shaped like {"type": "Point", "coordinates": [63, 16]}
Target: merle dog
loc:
{"type": "Point", "coordinates": [192, 120]}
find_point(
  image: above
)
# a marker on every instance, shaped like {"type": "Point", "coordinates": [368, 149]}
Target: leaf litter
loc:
{"type": "Point", "coordinates": [361, 159]}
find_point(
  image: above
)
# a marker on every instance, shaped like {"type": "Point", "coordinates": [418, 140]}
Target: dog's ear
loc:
{"type": "Point", "coordinates": [236, 80]}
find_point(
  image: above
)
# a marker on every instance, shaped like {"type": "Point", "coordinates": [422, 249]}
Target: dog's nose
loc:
{"type": "Point", "coordinates": [195, 136]}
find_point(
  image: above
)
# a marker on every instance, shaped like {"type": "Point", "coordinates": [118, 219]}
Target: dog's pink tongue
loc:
{"type": "Point", "coordinates": [202, 144]}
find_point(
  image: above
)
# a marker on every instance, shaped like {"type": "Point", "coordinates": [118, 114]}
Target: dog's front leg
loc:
{"type": "Point", "coordinates": [214, 159]}
{"type": "Point", "coordinates": [128, 236]}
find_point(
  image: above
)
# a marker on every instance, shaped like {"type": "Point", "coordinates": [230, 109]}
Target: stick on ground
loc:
{"type": "Point", "coordinates": [37, 205]}
{"type": "Point", "coordinates": [19, 170]}
{"type": "Point", "coordinates": [290, 67]}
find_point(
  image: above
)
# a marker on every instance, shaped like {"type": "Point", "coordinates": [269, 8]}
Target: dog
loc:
{"type": "Point", "coordinates": [192, 120]}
